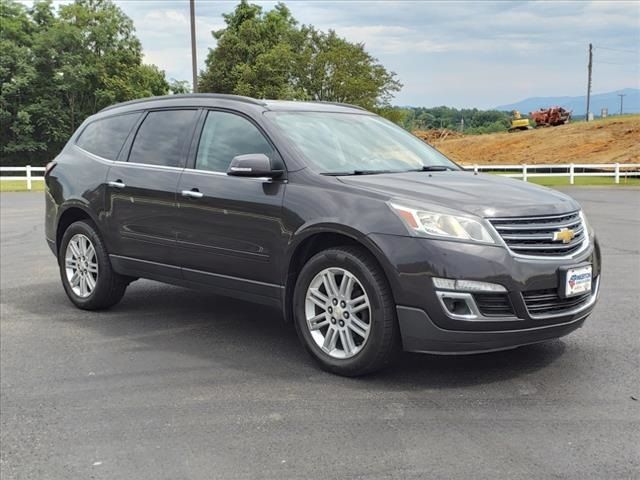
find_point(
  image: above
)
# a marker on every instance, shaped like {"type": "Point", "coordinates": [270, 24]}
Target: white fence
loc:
{"type": "Point", "coordinates": [27, 177]}
{"type": "Point", "coordinates": [571, 170]}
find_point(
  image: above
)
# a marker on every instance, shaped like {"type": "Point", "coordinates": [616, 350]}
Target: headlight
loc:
{"type": "Point", "coordinates": [425, 223]}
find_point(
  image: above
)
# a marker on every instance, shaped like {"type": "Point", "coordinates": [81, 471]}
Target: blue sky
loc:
{"type": "Point", "coordinates": [453, 53]}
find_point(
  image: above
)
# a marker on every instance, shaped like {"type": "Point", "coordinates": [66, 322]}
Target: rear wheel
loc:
{"type": "Point", "coordinates": [344, 312]}
{"type": "Point", "coordinates": [85, 269]}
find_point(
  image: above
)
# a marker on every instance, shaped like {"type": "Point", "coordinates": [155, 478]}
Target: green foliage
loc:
{"type": "Point", "coordinates": [475, 121]}
{"type": "Point", "coordinates": [177, 87]}
{"type": "Point", "coordinates": [393, 114]}
{"type": "Point", "coordinates": [57, 69]}
{"type": "Point", "coordinates": [267, 55]}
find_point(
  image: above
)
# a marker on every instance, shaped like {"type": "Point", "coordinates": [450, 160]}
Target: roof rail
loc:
{"type": "Point", "coordinates": [220, 96]}
{"type": "Point", "coordinates": [341, 104]}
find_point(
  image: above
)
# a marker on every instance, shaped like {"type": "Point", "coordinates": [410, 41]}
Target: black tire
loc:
{"type": "Point", "coordinates": [109, 285]}
{"type": "Point", "coordinates": [383, 341]}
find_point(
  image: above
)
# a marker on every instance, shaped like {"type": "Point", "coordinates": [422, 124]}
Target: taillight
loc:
{"type": "Point", "coordinates": [50, 166]}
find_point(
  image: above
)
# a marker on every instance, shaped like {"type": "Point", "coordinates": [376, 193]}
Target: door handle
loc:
{"type": "Point", "coordinates": [117, 184]}
{"type": "Point", "coordinates": [193, 193]}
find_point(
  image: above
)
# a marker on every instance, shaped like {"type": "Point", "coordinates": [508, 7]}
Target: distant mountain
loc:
{"type": "Point", "coordinates": [610, 100]}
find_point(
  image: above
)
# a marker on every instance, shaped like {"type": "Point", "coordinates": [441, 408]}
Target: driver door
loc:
{"type": "Point", "coordinates": [229, 231]}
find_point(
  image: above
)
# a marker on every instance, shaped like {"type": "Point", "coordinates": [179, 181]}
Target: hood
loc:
{"type": "Point", "coordinates": [484, 195]}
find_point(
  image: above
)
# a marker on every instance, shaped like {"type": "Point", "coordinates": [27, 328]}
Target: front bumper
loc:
{"type": "Point", "coordinates": [421, 334]}
{"type": "Point", "coordinates": [425, 326]}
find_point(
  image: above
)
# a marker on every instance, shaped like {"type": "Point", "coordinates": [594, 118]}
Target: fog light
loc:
{"type": "Point", "coordinates": [456, 306]}
{"type": "Point", "coordinates": [459, 305]}
{"type": "Point", "coordinates": [467, 285]}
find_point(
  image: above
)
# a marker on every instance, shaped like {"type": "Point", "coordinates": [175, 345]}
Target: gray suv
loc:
{"type": "Point", "coordinates": [366, 238]}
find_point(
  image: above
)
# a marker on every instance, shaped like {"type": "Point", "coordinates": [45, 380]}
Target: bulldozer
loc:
{"type": "Point", "coordinates": [518, 123]}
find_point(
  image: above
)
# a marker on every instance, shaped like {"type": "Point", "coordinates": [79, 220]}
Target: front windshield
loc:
{"type": "Point", "coordinates": [347, 143]}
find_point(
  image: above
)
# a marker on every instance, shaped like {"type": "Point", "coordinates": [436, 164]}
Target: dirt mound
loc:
{"type": "Point", "coordinates": [436, 135]}
{"type": "Point", "coordinates": [610, 140]}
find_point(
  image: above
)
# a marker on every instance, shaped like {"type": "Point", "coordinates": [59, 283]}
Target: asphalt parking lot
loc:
{"type": "Point", "coordinates": [176, 384]}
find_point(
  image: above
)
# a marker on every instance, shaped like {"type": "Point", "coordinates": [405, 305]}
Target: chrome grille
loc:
{"type": "Point", "coordinates": [545, 302]}
{"type": "Point", "coordinates": [533, 236]}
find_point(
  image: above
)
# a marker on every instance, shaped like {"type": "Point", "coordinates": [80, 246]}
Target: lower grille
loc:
{"type": "Point", "coordinates": [493, 304]}
{"type": "Point", "coordinates": [548, 302]}
{"type": "Point", "coordinates": [543, 236]}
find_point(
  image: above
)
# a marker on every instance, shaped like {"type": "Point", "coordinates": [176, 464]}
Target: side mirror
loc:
{"type": "Point", "coordinates": [252, 165]}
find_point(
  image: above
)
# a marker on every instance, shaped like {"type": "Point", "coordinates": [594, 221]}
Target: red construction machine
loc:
{"type": "Point", "coordinates": [550, 117]}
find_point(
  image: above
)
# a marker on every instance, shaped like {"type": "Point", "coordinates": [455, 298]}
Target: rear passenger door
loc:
{"type": "Point", "coordinates": [141, 192]}
{"type": "Point", "coordinates": [230, 232]}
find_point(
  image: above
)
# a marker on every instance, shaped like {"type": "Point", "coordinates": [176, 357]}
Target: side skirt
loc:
{"type": "Point", "coordinates": [225, 285]}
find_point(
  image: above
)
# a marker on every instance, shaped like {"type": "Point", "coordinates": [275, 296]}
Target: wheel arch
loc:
{"type": "Point", "coordinates": [72, 213]}
{"type": "Point", "coordinates": [321, 238]}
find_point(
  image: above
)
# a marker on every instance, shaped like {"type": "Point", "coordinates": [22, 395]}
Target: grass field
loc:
{"type": "Point", "coordinates": [584, 181]}
{"type": "Point", "coordinates": [20, 186]}
{"type": "Point", "coordinates": [560, 180]}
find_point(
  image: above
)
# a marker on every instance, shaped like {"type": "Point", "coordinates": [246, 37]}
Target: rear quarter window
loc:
{"type": "Point", "coordinates": [105, 137]}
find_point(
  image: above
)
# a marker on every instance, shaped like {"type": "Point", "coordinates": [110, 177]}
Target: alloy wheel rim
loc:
{"type": "Point", "coordinates": [338, 313]}
{"type": "Point", "coordinates": [81, 265]}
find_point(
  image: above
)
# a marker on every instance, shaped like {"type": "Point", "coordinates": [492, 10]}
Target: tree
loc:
{"type": "Point", "coordinates": [254, 55]}
{"type": "Point", "coordinates": [475, 121]}
{"type": "Point", "coordinates": [332, 69]}
{"type": "Point", "coordinates": [177, 87]}
{"type": "Point", "coordinates": [62, 68]}
{"type": "Point", "coordinates": [17, 76]}
{"type": "Point", "coordinates": [268, 55]}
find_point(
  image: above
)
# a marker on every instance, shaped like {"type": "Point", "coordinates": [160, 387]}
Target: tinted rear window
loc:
{"type": "Point", "coordinates": [105, 137]}
{"type": "Point", "coordinates": [161, 138]}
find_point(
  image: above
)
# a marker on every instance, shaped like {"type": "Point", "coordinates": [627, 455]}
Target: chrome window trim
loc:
{"type": "Point", "coordinates": [127, 164]}
{"type": "Point", "coordinates": [223, 174]}
{"type": "Point", "coordinates": [150, 166]}
{"type": "Point", "coordinates": [95, 157]}
{"type": "Point", "coordinates": [165, 167]}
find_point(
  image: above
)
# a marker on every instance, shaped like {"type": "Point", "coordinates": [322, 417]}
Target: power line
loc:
{"type": "Point", "coordinates": [617, 63]}
{"type": "Point", "coordinates": [616, 49]}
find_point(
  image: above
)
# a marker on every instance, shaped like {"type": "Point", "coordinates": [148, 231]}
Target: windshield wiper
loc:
{"type": "Point", "coordinates": [433, 168]}
{"type": "Point", "coordinates": [425, 168]}
{"type": "Point", "coordinates": [358, 172]}
{"type": "Point", "coordinates": [372, 172]}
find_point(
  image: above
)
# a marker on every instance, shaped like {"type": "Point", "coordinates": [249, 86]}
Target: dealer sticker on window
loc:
{"type": "Point", "coordinates": [578, 281]}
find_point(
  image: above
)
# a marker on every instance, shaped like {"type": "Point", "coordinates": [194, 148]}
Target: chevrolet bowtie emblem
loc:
{"type": "Point", "coordinates": [564, 235]}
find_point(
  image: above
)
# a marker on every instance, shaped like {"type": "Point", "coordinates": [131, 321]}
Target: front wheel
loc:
{"type": "Point", "coordinates": [345, 313]}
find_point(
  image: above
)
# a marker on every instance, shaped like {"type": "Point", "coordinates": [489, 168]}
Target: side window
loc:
{"type": "Point", "coordinates": [161, 138]}
{"type": "Point", "coordinates": [105, 137]}
{"type": "Point", "coordinates": [226, 135]}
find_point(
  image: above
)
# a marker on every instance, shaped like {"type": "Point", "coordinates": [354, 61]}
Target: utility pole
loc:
{"type": "Point", "coordinates": [589, 81]}
{"type": "Point", "coordinates": [194, 59]}
{"type": "Point", "coordinates": [621, 95]}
